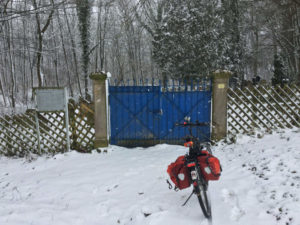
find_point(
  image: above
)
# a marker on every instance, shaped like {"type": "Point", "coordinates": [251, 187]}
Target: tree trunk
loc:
{"type": "Point", "coordinates": [40, 31]}
{"type": "Point", "coordinates": [65, 55]}
{"type": "Point", "coordinates": [2, 86]}
{"type": "Point", "coordinates": [73, 45]}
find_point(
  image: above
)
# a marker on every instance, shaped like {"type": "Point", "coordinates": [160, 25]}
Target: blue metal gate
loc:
{"type": "Point", "coordinates": [146, 115]}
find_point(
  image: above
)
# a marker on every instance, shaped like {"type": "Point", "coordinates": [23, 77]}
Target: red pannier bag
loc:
{"type": "Point", "coordinates": [210, 166]}
{"type": "Point", "coordinates": [179, 173]}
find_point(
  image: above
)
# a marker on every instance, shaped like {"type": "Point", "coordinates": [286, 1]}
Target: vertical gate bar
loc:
{"type": "Point", "coordinates": [122, 115]}
{"type": "Point", "coordinates": [159, 108]}
{"type": "Point", "coordinates": [197, 96]}
{"type": "Point", "coordinates": [116, 119]}
{"type": "Point", "coordinates": [113, 111]}
{"type": "Point", "coordinates": [110, 105]}
{"type": "Point", "coordinates": [175, 134]}
{"type": "Point", "coordinates": [127, 136]}
{"type": "Point", "coordinates": [155, 88]}
{"type": "Point", "coordinates": [166, 109]}
{"type": "Point", "coordinates": [179, 95]}
{"type": "Point", "coordinates": [210, 107]}
{"type": "Point", "coordinates": [127, 94]}
{"type": "Point", "coordinates": [193, 97]}
{"type": "Point", "coordinates": [135, 101]}
{"type": "Point", "coordinates": [122, 110]}
{"type": "Point", "coordinates": [143, 137]}
{"type": "Point", "coordinates": [172, 111]}
{"type": "Point", "coordinates": [185, 99]}
{"type": "Point", "coordinates": [111, 114]}
{"type": "Point", "coordinates": [204, 99]}
{"type": "Point", "coordinates": [179, 105]}
{"type": "Point", "coordinates": [153, 123]}
{"type": "Point", "coordinates": [147, 108]}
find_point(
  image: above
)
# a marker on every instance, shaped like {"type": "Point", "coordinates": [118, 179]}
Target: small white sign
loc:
{"type": "Point", "coordinates": [50, 99]}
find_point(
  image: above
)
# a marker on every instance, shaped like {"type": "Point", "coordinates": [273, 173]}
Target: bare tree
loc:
{"type": "Point", "coordinates": [73, 49]}
{"type": "Point", "coordinates": [41, 29]}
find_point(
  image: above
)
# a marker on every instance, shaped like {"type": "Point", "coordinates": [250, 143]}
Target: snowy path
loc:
{"type": "Point", "coordinates": [260, 184]}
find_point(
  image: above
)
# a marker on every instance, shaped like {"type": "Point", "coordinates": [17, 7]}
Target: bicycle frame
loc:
{"type": "Point", "coordinates": [194, 167]}
{"type": "Point", "coordinates": [200, 185]}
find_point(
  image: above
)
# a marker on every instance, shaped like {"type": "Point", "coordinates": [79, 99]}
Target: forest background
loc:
{"type": "Point", "coordinates": [60, 42]}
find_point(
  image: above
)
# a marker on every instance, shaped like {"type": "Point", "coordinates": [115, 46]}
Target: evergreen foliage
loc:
{"type": "Point", "coordinates": [188, 42]}
{"type": "Point", "coordinates": [279, 76]}
{"type": "Point", "coordinates": [232, 12]}
{"type": "Point", "coordinates": [84, 15]}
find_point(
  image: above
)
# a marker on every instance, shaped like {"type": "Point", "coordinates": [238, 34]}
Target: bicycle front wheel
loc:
{"type": "Point", "coordinates": [204, 201]}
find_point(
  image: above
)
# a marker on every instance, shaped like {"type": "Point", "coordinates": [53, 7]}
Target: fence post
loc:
{"type": "Point", "coordinates": [219, 104]}
{"type": "Point", "coordinates": [100, 115]}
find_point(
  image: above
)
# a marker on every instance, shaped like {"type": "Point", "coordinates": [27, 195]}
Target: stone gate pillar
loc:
{"type": "Point", "coordinates": [100, 104]}
{"type": "Point", "coordinates": [219, 104]}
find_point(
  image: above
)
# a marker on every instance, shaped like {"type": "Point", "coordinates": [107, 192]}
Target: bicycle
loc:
{"type": "Point", "coordinates": [200, 184]}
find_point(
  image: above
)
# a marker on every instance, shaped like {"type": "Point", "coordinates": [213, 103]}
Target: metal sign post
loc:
{"type": "Point", "coordinates": [38, 131]}
{"type": "Point", "coordinates": [67, 119]}
{"type": "Point", "coordinates": [51, 100]}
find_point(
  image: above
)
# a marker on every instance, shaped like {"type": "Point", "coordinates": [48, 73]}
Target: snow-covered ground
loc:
{"type": "Point", "coordinates": [260, 185]}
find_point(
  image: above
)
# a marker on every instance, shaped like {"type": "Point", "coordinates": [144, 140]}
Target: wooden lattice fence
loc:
{"type": "Point", "coordinates": [18, 132]}
{"type": "Point", "coordinates": [263, 107]}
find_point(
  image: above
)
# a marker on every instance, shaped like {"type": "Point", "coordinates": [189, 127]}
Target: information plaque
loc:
{"type": "Point", "coordinates": [48, 100]}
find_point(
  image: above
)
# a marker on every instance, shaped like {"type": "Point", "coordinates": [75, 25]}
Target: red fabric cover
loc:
{"type": "Point", "coordinates": [210, 166]}
{"type": "Point", "coordinates": [179, 173]}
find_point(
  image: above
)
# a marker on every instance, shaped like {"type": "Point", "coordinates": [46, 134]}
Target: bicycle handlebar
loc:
{"type": "Point", "coordinates": [190, 125]}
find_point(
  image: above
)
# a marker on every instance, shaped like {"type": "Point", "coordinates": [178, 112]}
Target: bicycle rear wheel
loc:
{"type": "Point", "coordinates": [204, 201]}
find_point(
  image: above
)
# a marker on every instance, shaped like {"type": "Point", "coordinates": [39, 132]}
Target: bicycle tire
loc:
{"type": "Point", "coordinates": [204, 201]}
